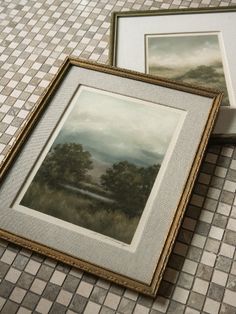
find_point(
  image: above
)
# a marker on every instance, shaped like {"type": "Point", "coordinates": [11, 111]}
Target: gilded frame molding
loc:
{"type": "Point", "coordinates": [36, 115]}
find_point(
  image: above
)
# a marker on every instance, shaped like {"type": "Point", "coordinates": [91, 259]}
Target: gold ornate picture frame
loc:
{"type": "Point", "coordinates": [194, 46]}
{"type": "Point", "coordinates": [106, 148]}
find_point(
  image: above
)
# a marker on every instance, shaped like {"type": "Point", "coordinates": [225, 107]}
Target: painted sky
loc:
{"type": "Point", "coordinates": [115, 128]}
{"type": "Point", "coordinates": [183, 50]}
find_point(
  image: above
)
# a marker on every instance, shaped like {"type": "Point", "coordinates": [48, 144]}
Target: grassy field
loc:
{"type": "Point", "coordinates": [80, 210]}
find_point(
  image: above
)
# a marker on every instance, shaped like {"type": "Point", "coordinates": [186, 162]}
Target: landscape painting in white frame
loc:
{"type": "Point", "coordinates": [128, 50]}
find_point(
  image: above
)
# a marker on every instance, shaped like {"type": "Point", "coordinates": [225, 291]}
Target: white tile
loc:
{"type": "Point", "coordinates": [140, 309]}
{"type": "Point", "coordinates": [32, 267]}
{"type": "Point", "coordinates": [13, 275]}
{"type": "Point", "coordinates": [211, 306]}
{"type": "Point", "coordinates": [208, 258]}
{"type": "Point", "coordinates": [8, 257]}
{"type": "Point", "coordinates": [229, 186]}
{"type": "Point", "coordinates": [190, 266]}
{"type": "Point", "coordinates": [223, 209]}
{"type": "Point", "coordinates": [180, 295]}
{"type": "Point", "coordinates": [17, 294]}
{"type": "Point", "coordinates": [227, 250]}
{"type": "Point", "coordinates": [206, 216]}
{"type": "Point", "coordinates": [219, 277]}
{"type": "Point", "coordinates": [198, 240]}
{"type": "Point", "coordinates": [84, 289]}
{"type": "Point", "coordinates": [216, 232]}
{"type": "Point", "coordinates": [38, 286]}
{"type": "Point", "coordinates": [92, 308]}
{"type": "Point", "coordinates": [220, 172]}
{"type": "Point", "coordinates": [58, 278]}
{"type": "Point", "coordinates": [200, 286]}
{"type": "Point", "coordinates": [230, 297]}
{"type": "Point", "coordinates": [233, 164]}
{"type": "Point", "coordinates": [213, 193]}
{"type": "Point", "coordinates": [112, 300]}
{"type": "Point", "coordinates": [64, 297]}
{"type": "Point", "coordinates": [231, 224]}
{"type": "Point", "coordinates": [43, 306]}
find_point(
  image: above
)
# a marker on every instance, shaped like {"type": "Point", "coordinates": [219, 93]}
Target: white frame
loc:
{"type": "Point", "coordinates": [141, 264]}
{"type": "Point", "coordinates": [128, 48]}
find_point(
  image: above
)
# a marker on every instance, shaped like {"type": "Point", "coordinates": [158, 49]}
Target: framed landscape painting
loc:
{"type": "Point", "coordinates": [193, 46]}
{"type": "Point", "coordinates": [89, 180]}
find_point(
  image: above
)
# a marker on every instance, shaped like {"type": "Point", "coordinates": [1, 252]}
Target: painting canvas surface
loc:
{"type": "Point", "coordinates": [189, 58]}
{"type": "Point", "coordinates": [100, 168]}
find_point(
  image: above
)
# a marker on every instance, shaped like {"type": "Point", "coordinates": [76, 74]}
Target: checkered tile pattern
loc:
{"type": "Point", "coordinates": [35, 38]}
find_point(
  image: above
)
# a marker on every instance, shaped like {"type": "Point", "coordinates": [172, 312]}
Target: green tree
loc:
{"type": "Point", "coordinates": [130, 185]}
{"type": "Point", "coordinates": [65, 163]}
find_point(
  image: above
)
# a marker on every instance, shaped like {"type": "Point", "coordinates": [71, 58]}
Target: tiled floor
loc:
{"type": "Point", "coordinates": [35, 38]}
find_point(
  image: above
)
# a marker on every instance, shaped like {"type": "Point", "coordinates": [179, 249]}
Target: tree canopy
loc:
{"type": "Point", "coordinates": [65, 163]}
{"type": "Point", "coordinates": [130, 185]}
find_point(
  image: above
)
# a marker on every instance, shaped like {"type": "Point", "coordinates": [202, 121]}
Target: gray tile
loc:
{"type": "Point", "coordinates": [217, 182]}
{"type": "Point", "coordinates": [231, 175]}
{"type": "Point", "coordinates": [98, 295]}
{"type": "Point", "coordinates": [6, 288]}
{"type": "Point", "coordinates": [126, 306]}
{"type": "Point", "coordinates": [227, 197]}
{"type": "Point", "coordinates": [223, 161]}
{"type": "Point", "coordinates": [106, 310]}
{"type": "Point", "coordinates": [71, 283]}
{"type": "Point", "coordinates": [3, 269]}
{"type": "Point", "coordinates": [196, 300]}
{"type": "Point", "coordinates": [20, 262]}
{"type": "Point", "coordinates": [58, 309]}
{"type": "Point", "coordinates": [9, 308]}
{"type": "Point", "coordinates": [45, 272]}
{"type": "Point", "coordinates": [220, 221]}
{"type": "Point", "coordinates": [223, 263]}
{"type": "Point", "coordinates": [212, 245]}
{"type": "Point", "coordinates": [117, 289]}
{"type": "Point", "coordinates": [193, 212]}
{"type": "Point", "coordinates": [145, 301]}
{"type": "Point", "coordinates": [231, 284]}
{"type": "Point", "coordinates": [185, 236]}
{"type": "Point", "coordinates": [51, 291]}
{"type": "Point", "coordinates": [78, 303]}
{"type": "Point", "coordinates": [165, 289]}
{"type": "Point", "coordinates": [202, 228]}
{"type": "Point", "coordinates": [230, 237]}
{"type": "Point", "coordinates": [175, 307]}
{"type": "Point", "coordinates": [216, 292]}
{"type": "Point", "coordinates": [63, 268]}
{"type": "Point", "coordinates": [89, 278]}
{"type": "Point", "coordinates": [30, 300]}
{"type": "Point", "coordinates": [185, 280]}
{"type": "Point", "coordinates": [176, 261]}
{"type": "Point", "coordinates": [227, 309]}
{"type": "Point", "coordinates": [194, 253]}
{"type": "Point", "coordinates": [25, 280]}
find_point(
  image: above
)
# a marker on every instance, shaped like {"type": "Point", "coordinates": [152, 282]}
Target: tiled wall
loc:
{"type": "Point", "coordinates": [35, 37]}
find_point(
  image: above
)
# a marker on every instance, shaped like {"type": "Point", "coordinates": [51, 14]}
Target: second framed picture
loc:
{"type": "Point", "coordinates": [192, 46]}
